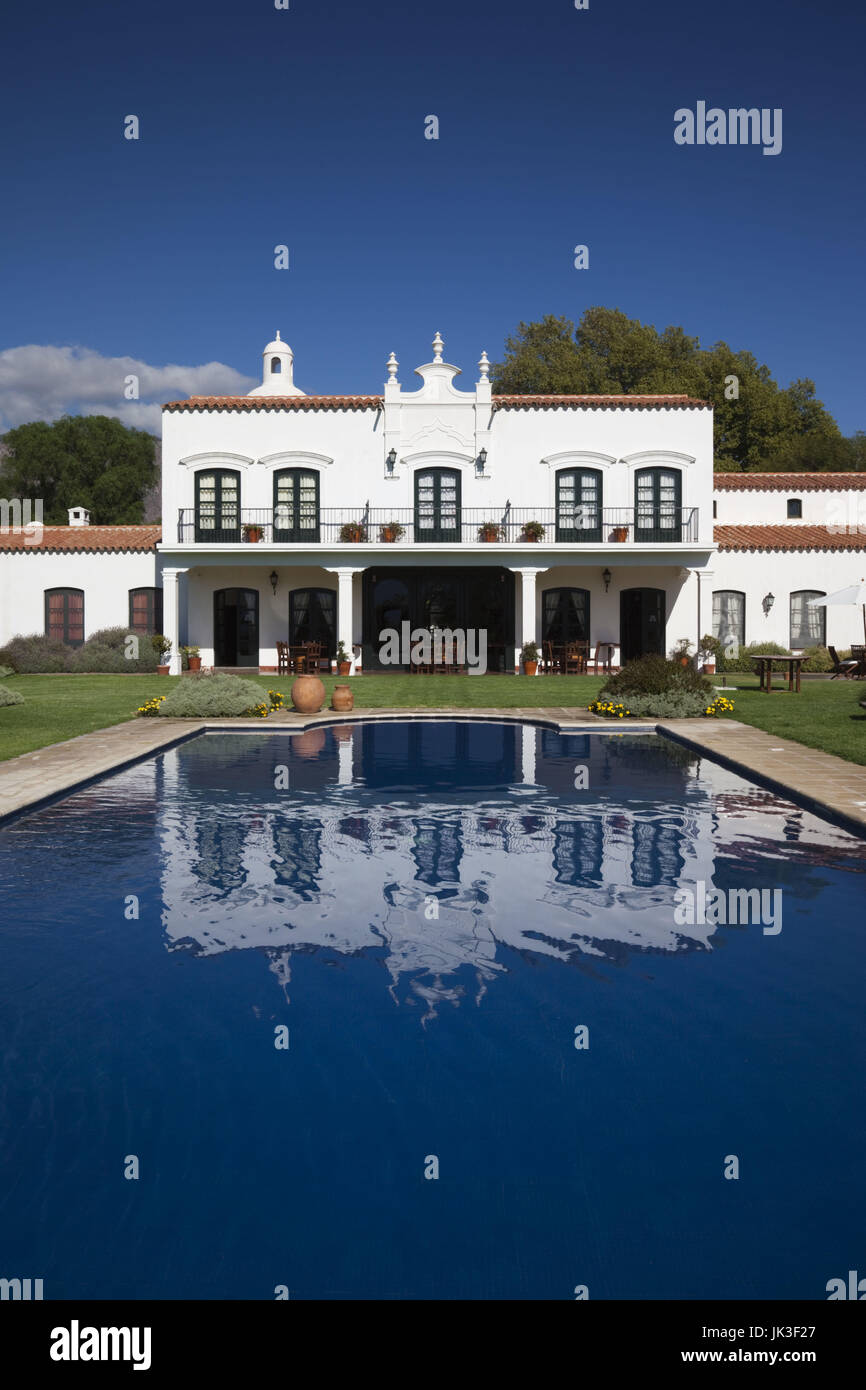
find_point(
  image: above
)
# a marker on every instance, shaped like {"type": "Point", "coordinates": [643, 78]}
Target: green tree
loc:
{"type": "Point", "coordinates": [91, 461]}
{"type": "Point", "coordinates": [758, 424]}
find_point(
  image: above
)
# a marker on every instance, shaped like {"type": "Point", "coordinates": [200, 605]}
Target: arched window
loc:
{"type": "Point", "coordinates": [578, 504]}
{"type": "Point", "coordinates": [658, 496]}
{"type": "Point", "coordinates": [437, 504]}
{"type": "Point", "coordinates": [296, 505]}
{"type": "Point", "coordinates": [276, 366]}
{"type": "Point", "coordinates": [145, 610]}
{"type": "Point", "coordinates": [313, 618]}
{"type": "Point", "coordinates": [564, 616]}
{"type": "Point", "coordinates": [808, 625]}
{"type": "Point", "coordinates": [729, 617]}
{"type": "Point", "coordinates": [217, 505]}
{"type": "Point", "coordinates": [795, 508]}
{"type": "Point", "coordinates": [64, 615]}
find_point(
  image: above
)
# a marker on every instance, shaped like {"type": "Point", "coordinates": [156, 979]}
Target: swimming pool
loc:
{"type": "Point", "coordinates": [285, 973]}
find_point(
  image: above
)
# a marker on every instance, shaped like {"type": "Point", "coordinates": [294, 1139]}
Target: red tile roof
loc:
{"type": "Point", "coordinates": [277, 403]}
{"type": "Point", "coordinates": [793, 536]}
{"type": "Point", "coordinates": [83, 538]}
{"type": "Point", "coordinates": [789, 482]}
{"type": "Point", "coordinates": [375, 403]}
{"type": "Point", "coordinates": [626, 402]}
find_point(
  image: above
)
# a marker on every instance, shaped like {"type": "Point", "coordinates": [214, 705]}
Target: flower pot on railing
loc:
{"type": "Point", "coordinates": [353, 533]}
{"type": "Point", "coordinates": [252, 534]}
{"type": "Point", "coordinates": [391, 532]}
{"type": "Point", "coordinates": [489, 531]}
{"type": "Point", "coordinates": [620, 533]}
{"type": "Point", "coordinates": [532, 531]}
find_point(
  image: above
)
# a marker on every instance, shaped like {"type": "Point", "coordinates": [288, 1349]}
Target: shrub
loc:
{"type": "Point", "coordinates": [6, 671]}
{"type": "Point", "coordinates": [679, 704]}
{"type": "Point", "coordinates": [106, 651]}
{"type": "Point", "coordinates": [741, 661]}
{"type": "Point", "coordinates": [817, 659]}
{"type": "Point", "coordinates": [10, 697]}
{"type": "Point", "coordinates": [203, 696]}
{"type": "Point", "coordinates": [35, 654]}
{"type": "Point", "coordinates": [654, 675]}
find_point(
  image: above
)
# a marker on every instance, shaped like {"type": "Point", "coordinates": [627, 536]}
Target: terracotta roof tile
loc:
{"type": "Point", "coordinates": [83, 538]}
{"type": "Point", "coordinates": [789, 482]}
{"type": "Point", "coordinates": [277, 403]}
{"type": "Point", "coordinates": [375, 402]}
{"type": "Point", "coordinates": [613, 402]}
{"type": "Point", "coordinates": [790, 537]}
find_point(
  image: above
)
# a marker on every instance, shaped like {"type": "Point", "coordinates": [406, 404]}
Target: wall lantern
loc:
{"type": "Point", "coordinates": [391, 460]}
{"type": "Point", "coordinates": [606, 577]}
{"type": "Point", "coordinates": [273, 578]}
{"type": "Point", "coordinates": [481, 463]}
{"type": "Point", "coordinates": [767, 602]}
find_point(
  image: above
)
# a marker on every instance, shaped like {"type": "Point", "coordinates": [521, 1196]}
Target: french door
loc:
{"type": "Point", "coordinates": [236, 627]}
{"type": "Point", "coordinates": [658, 504]}
{"type": "Point", "coordinates": [437, 505]}
{"type": "Point", "coordinates": [296, 505]}
{"type": "Point", "coordinates": [578, 504]}
{"type": "Point", "coordinates": [217, 505]}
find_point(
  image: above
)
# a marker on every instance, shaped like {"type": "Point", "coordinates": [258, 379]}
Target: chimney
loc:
{"type": "Point", "coordinates": [79, 516]}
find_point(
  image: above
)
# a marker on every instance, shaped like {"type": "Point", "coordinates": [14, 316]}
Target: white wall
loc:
{"type": "Point", "coordinates": [769, 507]}
{"type": "Point", "coordinates": [105, 578]}
{"type": "Point", "coordinates": [782, 573]}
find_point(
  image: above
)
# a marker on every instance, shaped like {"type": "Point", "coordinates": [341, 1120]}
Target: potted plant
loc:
{"type": "Point", "coordinates": [252, 532]}
{"type": "Point", "coordinates": [682, 652]}
{"type": "Point", "coordinates": [709, 651]}
{"type": "Point", "coordinates": [619, 533]}
{"type": "Point", "coordinates": [193, 659]}
{"type": "Point", "coordinates": [353, 532]}
{"type": "Point", "coordinates": [162, 646]}
{"type": "Point", "coordinates": [391, 531]}
{"type": "Point", "coordinates": [489, 531]}
{"type": "Point", "coordinates": [529, 656]}
{"type": "Point", "coordinates": [344, 660]}
{"type": "Point", "coordinates": [532, 531]}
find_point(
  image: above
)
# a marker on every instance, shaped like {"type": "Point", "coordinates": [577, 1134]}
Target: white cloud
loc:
{"type": "Point", "coordinates": [43, 383]}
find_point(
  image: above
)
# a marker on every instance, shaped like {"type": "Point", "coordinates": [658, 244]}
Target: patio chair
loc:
{"type": "Point", "coordinates": [575, 658]}
{"type": "Point", "coordinates": [840, 667]}
{"type": "Point", "coordinates": [282, 657]}
{"type": "Point", "coordinates": [600, 662]}
{"type": "Point", "coordinates": [858, 654]}
{"type": "Point", "coordinates": [552, 659]}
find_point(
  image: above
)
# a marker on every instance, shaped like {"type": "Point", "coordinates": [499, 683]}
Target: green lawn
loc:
{"type": "Point", "coordinates": [825, 715]}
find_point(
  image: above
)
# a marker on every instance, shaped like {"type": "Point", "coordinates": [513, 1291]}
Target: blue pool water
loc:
{"type": "Point", "coordinates": [432, 910]}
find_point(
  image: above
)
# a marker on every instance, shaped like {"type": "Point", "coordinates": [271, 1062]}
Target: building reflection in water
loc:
{"type": "Point", "coordinates": [444, 847]}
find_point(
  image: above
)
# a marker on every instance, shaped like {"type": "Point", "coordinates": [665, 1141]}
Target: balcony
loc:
{"type": "Point", "coordinates": [653, 525]}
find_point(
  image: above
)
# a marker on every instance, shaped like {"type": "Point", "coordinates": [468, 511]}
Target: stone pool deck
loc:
{"type": "Point", "coordinates": [827, 785]}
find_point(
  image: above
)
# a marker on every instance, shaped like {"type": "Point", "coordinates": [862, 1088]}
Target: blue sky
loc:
{"type": "Point", "coordinates": [306, 127]}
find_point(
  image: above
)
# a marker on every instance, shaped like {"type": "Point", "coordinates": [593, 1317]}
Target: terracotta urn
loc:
{"type": "Point", "coordinates": [344, 667]}
{"type": "Point", "coordinates": [343, 698]}
{"type": "Point", "coordinates": [308, 694]}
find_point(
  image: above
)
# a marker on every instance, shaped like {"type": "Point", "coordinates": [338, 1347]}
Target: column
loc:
{"type": "Point", "coordinates": [171, 616]}
{"type": "Point", "coordinates": [526, 629]}
{"type": "Point", "coordinates": [704, 615]}
{"type": "Point", "coordinates": [345, 590]}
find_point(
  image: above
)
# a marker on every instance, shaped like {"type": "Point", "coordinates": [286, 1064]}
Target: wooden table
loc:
{"type": "Point", "coordinates": [765, 670]}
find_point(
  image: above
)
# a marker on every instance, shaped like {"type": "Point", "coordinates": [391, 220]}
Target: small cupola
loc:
{"type": "Point", "coordinates": [277, 371]}
{"type": "Point", "coordinates": [79, 516]}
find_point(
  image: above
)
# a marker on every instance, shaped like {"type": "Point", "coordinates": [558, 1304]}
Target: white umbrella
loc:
{"type": "Point", "coordinates": [854, 594]}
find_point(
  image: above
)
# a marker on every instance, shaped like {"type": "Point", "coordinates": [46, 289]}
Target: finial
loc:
{"type": "Point", "coordinates": [277, 339]}
{"type": "Point", "coordinates": [438, 345]}
{"type": "Point", "coordinates": [483, 366]}
{"type": "Point", "coordinates": [393, 364]}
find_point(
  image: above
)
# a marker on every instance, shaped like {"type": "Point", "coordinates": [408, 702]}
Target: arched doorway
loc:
{"type": "Point", "coordinates": [564, 615]}
{"type": "Point", "coordinates": [641, 623]}
{"type": "Point", "coordinates": [236, 627]}
{"type": "Point", "coordinates": [313, 618]}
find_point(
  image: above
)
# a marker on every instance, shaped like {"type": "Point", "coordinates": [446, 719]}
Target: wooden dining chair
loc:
{"type": "Point", "coordinates": [552, 664]}
{"type": "Point", "coordinates": [575, 658]}
{"type": "Point", "coordinates": [282, 657]}
{"type": "Point", "coordinates": [598, 662]}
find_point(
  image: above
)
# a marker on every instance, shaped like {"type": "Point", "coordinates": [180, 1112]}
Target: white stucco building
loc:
{"type": "Point", "coordinates": [293, 517]}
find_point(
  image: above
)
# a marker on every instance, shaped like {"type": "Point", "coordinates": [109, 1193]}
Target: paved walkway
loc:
{"type": "Point", "coordinates": [826, 784]}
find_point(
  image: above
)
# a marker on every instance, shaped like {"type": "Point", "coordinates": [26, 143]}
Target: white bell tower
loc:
{"type": "Point", "coordinates": [277, 371]}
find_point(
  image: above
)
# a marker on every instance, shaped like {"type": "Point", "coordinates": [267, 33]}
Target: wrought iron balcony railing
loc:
{"type": "Point", "coordinates": [444, 526]}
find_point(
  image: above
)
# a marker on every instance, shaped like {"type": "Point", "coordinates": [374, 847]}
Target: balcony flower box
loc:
{"type": "Point", "coordinates": [252, 533]}
{"type": "Point", "coordinates": [489, 531]}
{"type": "Point", "coordinates": [353, 533]}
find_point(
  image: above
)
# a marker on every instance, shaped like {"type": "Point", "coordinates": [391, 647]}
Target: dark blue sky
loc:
{"type": "Point", "coordinates": [306, 127]}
